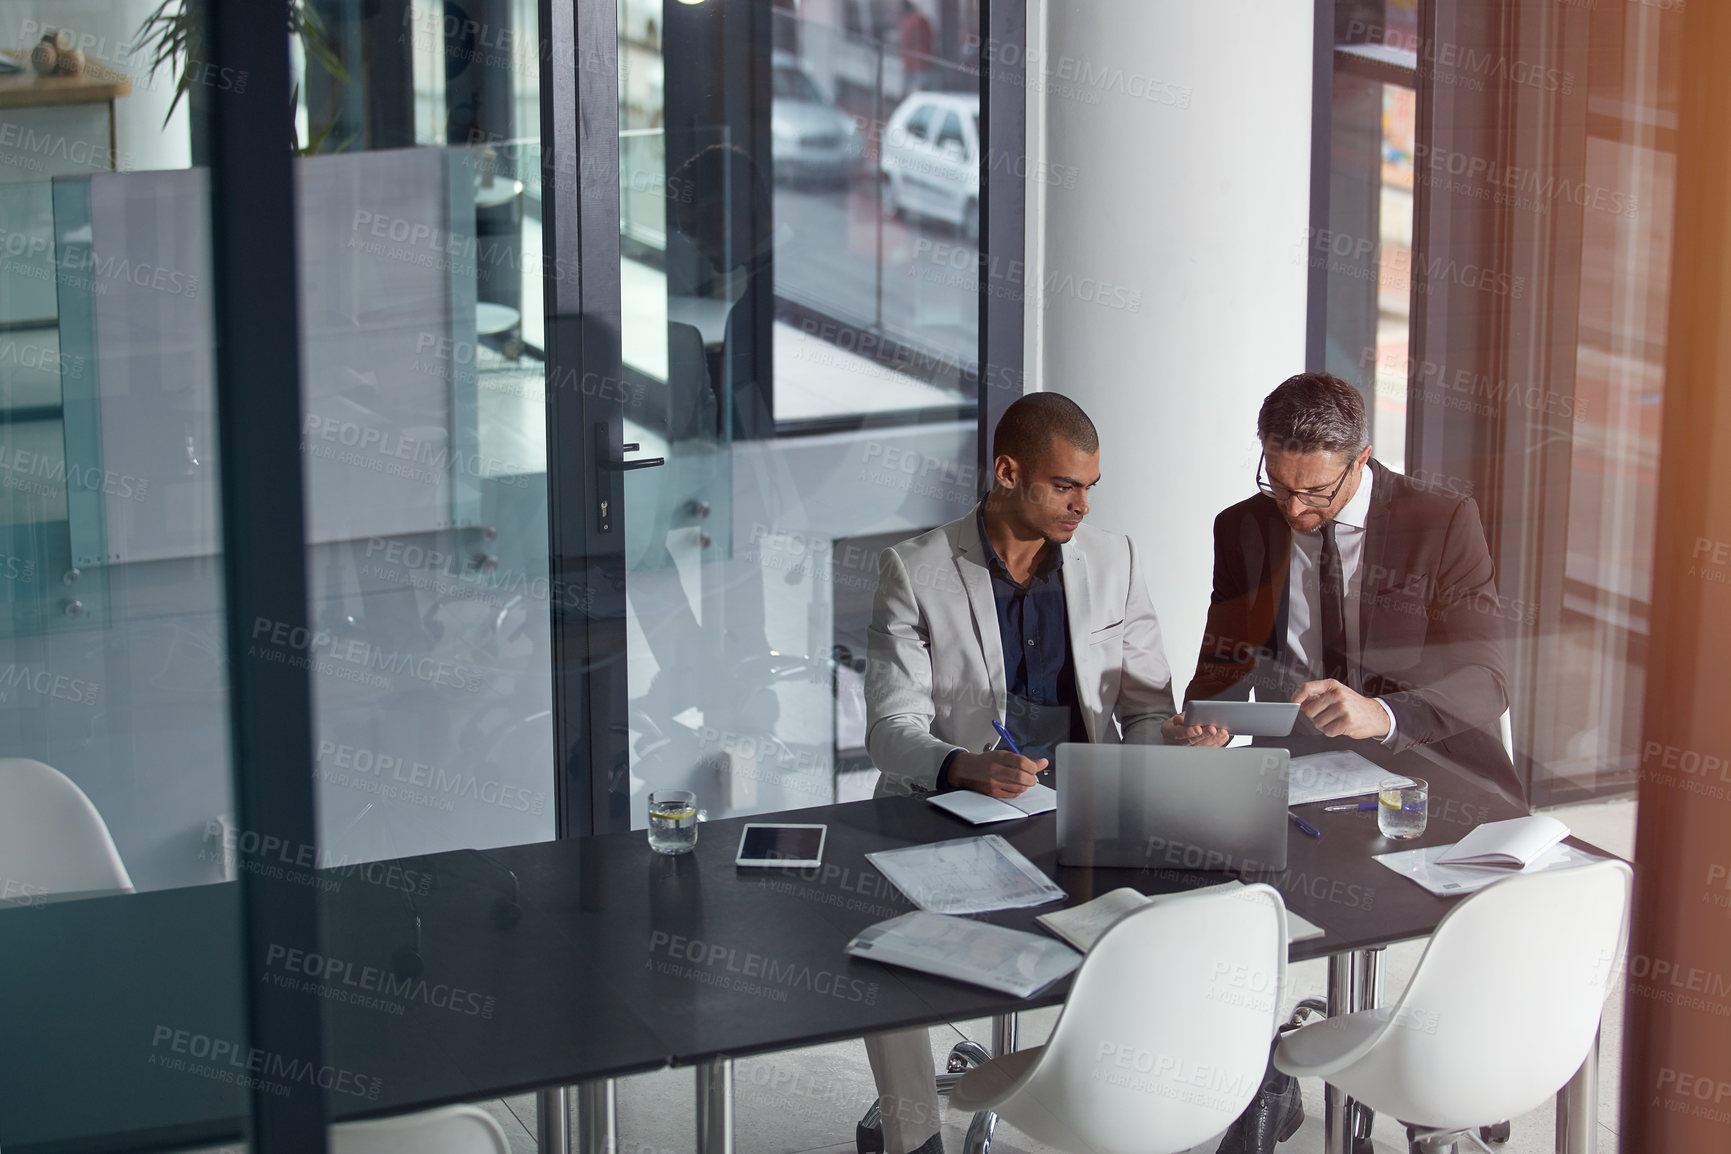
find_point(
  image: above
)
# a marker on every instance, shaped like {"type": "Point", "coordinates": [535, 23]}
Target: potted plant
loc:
{"type": "Point", "coordinates": [173, 35]}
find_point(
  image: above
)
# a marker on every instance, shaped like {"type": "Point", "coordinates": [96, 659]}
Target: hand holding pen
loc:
{"type": "Point", "coordinates": [996, 772]}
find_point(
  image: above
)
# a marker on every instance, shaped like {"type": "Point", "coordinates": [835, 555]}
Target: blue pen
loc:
{"type": "Point", "coordinates": [1304, 825]}
{"type": "Point", "coordinates": [1005, 734]}
{"type": "Point", "coordinates": [1362, 807]}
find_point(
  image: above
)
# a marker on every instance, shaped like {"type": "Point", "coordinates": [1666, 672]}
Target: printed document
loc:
{"type": "Point", "coordinates": [1010, 961]}
{"type": "Point", "coordinates": [967, 875]}
{"type": "Point", "coordinates": [1333, 775]}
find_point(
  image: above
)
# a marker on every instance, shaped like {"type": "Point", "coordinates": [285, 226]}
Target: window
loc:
{"type": "Point", "coordinates": [951, 132]}
{"type": "Point", "coordinates": [920, 123]}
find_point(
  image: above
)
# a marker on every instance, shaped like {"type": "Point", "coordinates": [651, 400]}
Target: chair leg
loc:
{"type": "Point", "coordinates": [1422, 1140]}
{"type": "Point", "coordinates": [980, 1130]}
{"type": "Point", "coordinates": [965, 1055]}
{"type": "Point", "coordinates": [1305, 1010]}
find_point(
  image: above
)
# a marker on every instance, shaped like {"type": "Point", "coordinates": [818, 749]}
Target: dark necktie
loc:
{"type": "Point", "coordinates": [1333, 591]}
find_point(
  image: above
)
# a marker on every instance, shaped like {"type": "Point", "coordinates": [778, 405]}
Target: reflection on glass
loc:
{"type": "Point", "coordinates": [784, 269]}
{"type": "Point", "coordinates": [877, 159]}
{"type": "Point", "coordinates": [114, 736]}
{"type": "Point", "coordinates": [424, 432]}
{"type": "Point", "coordinates": [1394, 276]}
{"type": "Point", "coordinates": [1614, 463]}
{"type": "Point", "coordinates": [107, 456]}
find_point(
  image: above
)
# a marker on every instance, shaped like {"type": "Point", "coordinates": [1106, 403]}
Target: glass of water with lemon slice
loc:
{"type": "Point", "coordinates": [672, 821]}
{"type": "Point", "coordinates": [1402, 808]}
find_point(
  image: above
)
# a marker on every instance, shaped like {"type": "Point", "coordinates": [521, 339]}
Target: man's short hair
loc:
{"type": "Point", "coordinates": [1313, 412]}
{"type": "Point", "coordinates": [1028, 427]}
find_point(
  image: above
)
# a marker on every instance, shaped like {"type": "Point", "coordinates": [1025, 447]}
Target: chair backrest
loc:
{"type": "Point", "coordinates": [1166, 1032]}
{"type": "Point", "coordinates": [447, 1130]}
{"type": "Point", "coordinates": [52, 840]}
{"type": "Point", "coordinates": [1505, 1002]}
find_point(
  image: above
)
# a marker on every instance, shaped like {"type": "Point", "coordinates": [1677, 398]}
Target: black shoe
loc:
{"type": "Point", "coordinates": [1273, 1116]}
{"type": "Point", "coordinates": [870, 1140]}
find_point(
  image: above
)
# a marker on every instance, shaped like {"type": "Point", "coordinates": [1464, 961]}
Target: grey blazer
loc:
{"type": "Point", "coordinates": [935, 664]}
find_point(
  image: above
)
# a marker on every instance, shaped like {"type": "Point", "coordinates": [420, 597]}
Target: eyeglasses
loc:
{"type": "Point", "coordinates": [1282, 494]}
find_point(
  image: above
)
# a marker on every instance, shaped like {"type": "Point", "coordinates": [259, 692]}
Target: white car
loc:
{"type": "Point", "coordinates": [810, 138]}
{"type": "Point", "coordinates": [930, 159]}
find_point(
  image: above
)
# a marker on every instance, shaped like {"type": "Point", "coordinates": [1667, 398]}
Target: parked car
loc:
{"type": "Point", "coordinates": [930, 162]}
{"type": "Point", "coordinates": [810, 138]}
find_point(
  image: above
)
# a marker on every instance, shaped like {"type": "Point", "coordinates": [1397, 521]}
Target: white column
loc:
{"type": "Point", "coordinates": [1170, 200]}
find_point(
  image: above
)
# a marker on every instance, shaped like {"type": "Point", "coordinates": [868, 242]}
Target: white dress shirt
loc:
{"type": "Point", "coordinates": [1304, 579]}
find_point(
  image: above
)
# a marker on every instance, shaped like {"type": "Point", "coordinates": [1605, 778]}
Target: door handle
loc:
{"type": "Point", "coordinates": [604, 458]}
{"type": "Point", "coordinates": [607, 462]}
{"type": "Point", "coordinates": [640, 463]}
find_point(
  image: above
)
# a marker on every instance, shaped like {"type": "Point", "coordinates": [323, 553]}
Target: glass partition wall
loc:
{"type": "Point", "coordinates": [799, 209]}
{"type": "Point", "coordinates": [116, 778]}
{"type": "Point", "coordinates": [424, 634]}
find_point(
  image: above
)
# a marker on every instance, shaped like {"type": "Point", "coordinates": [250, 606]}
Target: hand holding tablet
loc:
{"type": "Point", "coordinates": [1249, 718]}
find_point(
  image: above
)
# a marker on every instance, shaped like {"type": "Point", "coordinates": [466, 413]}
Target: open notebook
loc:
{"type": "Point", "coordinates": [973, 806]}
{"type": "Point", "coordinates": [1082, 925]}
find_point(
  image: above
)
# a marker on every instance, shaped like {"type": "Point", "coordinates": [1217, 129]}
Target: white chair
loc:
{"type": "Point", "coordinates": [1500, 1013]}
{"type": "Point", "coordinates": [1164, 1038]}
{"type": "Point", "coordinates": [448, 1130]}
{"type": "Point", "coordinates": [52, 840]}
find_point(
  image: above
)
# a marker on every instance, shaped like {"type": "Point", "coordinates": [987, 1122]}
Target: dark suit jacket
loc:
{"type": "Point", "coordinates": [1430, 626]}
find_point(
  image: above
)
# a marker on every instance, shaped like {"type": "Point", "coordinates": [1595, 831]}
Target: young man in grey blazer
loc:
{"type": "Point", "coordinates": [1016, 613]}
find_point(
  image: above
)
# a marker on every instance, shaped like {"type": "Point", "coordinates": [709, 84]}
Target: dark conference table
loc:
{"type": "Point", "coordinates": [124, 1021]}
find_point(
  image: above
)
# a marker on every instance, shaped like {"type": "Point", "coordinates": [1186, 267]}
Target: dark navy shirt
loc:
{"type": "Point", "coordinates": [1040, 704]}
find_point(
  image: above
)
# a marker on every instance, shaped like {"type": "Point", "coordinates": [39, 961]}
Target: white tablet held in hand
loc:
{"type": "Point", "coordinates": [1250, 718]}
{"type": "Point", "coordinates": [778, 846]}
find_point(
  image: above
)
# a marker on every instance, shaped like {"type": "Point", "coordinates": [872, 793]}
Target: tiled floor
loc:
{"type": "Point", "coordinates": [807, 1101]}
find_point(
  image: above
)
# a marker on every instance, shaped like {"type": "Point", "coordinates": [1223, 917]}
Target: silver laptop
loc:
{"type": "Point", "coordinates": [1172, 807]}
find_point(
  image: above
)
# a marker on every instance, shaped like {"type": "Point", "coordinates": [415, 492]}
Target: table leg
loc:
{"type": "Point", "coordinates": [715, 1107]}
{"type": "Point", "coordinates": [1354, 983]}
{"type": "Point", "coordinates": [1367, 967]}
{"type": "Point", "coordinates": [1578, 1107]}
{"type": "Point", "coordinates": [1337, 1111]}
{"type": "Point", "coordinates": [597, 1117]}
{"type": "Point", "coordinates": [981, 1128]}
{"type": "Point", "coordinates": [553, 1121]}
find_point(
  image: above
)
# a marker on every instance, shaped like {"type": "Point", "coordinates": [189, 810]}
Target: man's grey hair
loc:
{"type": "Point", "coordinates": [1313, 412]}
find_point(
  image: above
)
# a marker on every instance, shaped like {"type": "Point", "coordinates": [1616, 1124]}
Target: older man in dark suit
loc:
{"type": "Point", "coordinates": [1366, 598]}
{"type": "Point", "coordinates": [1357, 592]}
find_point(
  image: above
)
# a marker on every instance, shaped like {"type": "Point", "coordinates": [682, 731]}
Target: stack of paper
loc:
{"type": "Point", "coordinates": [1082, 925]}
{"type": "Point", "coordinates": [968, 875]}
{"type": "Point", "coordinates": [973, 806]}
{"type": "Point", "coordinates": [1333, 775]}
{"type": "Point", "coordinates": [1010, 961]}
